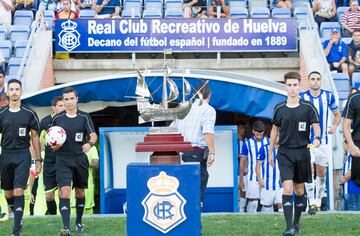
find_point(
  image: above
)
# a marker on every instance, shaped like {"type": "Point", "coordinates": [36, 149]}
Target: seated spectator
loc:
{"type": "Point", "coordinates": [2, 61]}
{"type": "Point", "coordinates": [2, 82]}
{"type": "Point", "coordinates": [66, 12]}
{"type": "Point", "coordinates": [354, 53]}
{"type": "Point", "coordinates": [24, 4]}
{"type": "Point", "coordinates": [351, 18]}
{"type": "Point", "coordinates": [107, 9]}
{"type": "Point", "coordinates": [5, 13]}
{"type": "Point", "coordinates": [224, 9]}
{"type": "Point", "coordinates": [336, 52]}
{"type": "Point", "coordinates": [324, 11]}
{"type": "Point", "coordinates": [284, 4]}
{"type": "Point", "coordinates": [194, 9]}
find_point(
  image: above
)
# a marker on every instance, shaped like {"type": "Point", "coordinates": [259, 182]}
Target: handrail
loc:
{"type": "Point", "coordinates": [36, 26]}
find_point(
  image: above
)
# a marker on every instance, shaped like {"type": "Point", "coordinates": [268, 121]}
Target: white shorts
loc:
{"type": "Point", "coordinates": [253, 190]}
{"type": "Point", "coordinates": [271, 197]}
{"type": "Point", "coordinates": [321, 155]}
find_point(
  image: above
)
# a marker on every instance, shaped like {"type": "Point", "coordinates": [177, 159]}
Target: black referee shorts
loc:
{"type": "Point", "coordinates": [15, 168]}
{"type": "Point", "coordinates": [294, 164]}
{"type": "Point", "coordinates": [49, 174]}
{"type": "Point", "coordinates": [72, 168]}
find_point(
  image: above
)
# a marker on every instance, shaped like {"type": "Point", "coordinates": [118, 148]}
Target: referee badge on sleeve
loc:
{"type": "Point", "coordinates": [22, 132]}
{"type": "Point", "coordinates": [302, 126]}
{"type": "Point", "coordinates": [78, 137]}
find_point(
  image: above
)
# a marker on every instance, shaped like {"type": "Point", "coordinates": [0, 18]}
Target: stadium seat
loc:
{"type": "Point", "coordinates": [280, 13]}
{"type": "Point", "coordinates": [153, 4]}
{"type": "Point", "coordinates": [342, 83]}
{"type": "Point", "coordinates": [340, 12]}
{"type": "Point", "coordinates": [134, 4]}
{"type": "Point", "coordinates": [346, 40]}
{"type": "Point", "coordinates": [257, 3]}
{"type": "Point", "coordinates": [173, 5]}
{"type": "Point", "coordinates": [5, 47]}
{"type": "Point", "coordinates": [49, 17]}
{"type": "Point", "coordinates": [19, 32]}
{"type": "Point", "coordinates": [173, 13]}
{"type": "Point", "coordinates": [259, 12]}
{"type": "Point", "coordinates": [356, 80]}
{"type": "Point", "coordinates": [237, 3]}
{"type": "Point", "coordinates": [300, 12]}
{"type": "Point", "coordinates": [303, 25]}
{"type": "Point", "coordinates": [131, 12]}
{"type": "Point", "coordinates": [3, 33]}
{"type": "Point", "coordinates": [19, 48]}
{"type": "Point", "coordinates": [13, 66]}
{"type": "Point", "coordinates": [87, 14]}
{"type": "Point", "coordinates": [299, 3]}
{"type": "Point", "coordinates": [327, 27]}
{"type": "Point", "coordinates": [238, 12]}
{"type": "Point", "coordinates": [23, 17]}
{"type": "Point", "coordinates": [152, 13]}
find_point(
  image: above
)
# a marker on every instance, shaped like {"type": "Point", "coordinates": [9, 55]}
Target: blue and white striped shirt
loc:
{"type": "Point", "coordinates": [199, 121]}
{"type": "Point", "coordinates": [250, 150]}
{"type": "Point", "coordinates": [349, 186]}
{"type": "Point", "coordinates": [323, 103]}
{"type": "Point", "coordinates": [270, 175]}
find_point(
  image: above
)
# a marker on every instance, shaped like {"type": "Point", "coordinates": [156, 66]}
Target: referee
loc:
{"type": "Point", "coordinates": [49, 174]}
{"type": "Point", "coordinates": [292, 120]}
{"type": "Point", "coordinates": [71, 161]}
{"type": "Point", "coordinates": [16, 122]}
{"type": "Point", "coordinates": [351, 116]}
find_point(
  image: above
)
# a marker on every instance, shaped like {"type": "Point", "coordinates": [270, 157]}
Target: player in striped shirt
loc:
{"type": "Point", "coordinates": [240, 138]}
{"type": "Point", "coordinates": [350, 191]}
{"type": "Point", "coordinates": [324, 101]}
{"type": "Point", "coordinates": [269, 180]}
{"type": "Point", "coordinates": [249, 152]}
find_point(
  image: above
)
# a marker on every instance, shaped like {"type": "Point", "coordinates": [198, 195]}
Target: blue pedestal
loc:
{"type": "Point", "coordinates": [163, 199]}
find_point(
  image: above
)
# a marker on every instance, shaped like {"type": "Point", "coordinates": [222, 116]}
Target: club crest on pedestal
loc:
{"type": "Point", "coordinates": [163, 205]}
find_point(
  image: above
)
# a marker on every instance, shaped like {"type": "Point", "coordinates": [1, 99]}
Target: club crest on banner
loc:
{"type": "Point", "coordinates": [69, 37]}
{"type": "Point", "coordinates": [164, 205]}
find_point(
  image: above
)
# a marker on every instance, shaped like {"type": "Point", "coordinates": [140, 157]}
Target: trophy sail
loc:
{"type": "Point", "coordinates": [142, 89]}
{"type": "Point", "coordinates": [174, 91]}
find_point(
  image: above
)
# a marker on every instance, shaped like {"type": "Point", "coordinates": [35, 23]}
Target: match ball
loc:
{"type": "Point", "coordinates": [55, 136]}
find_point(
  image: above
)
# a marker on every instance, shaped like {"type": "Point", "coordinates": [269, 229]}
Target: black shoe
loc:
{"type": "Point", "coordinates": [289, 232]}
{"type": "Point", "coordinates": [297, 229]}
{"type": "Point", "coordinates": [312, 210]}
{"type": "Point", "coordinates": [65, 232]}
{"type": "Point", "coordinates": [79, 229]}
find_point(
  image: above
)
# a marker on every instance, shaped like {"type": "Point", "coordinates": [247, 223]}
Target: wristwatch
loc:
{"type": "Point", "coordinates": [318, 138]}
{"type": "Point", "coordinates": [212, 153]}
{"type": "Point", "coordinates": [91, 143]}
{"type": "Point", "coordinates": [33, 161]}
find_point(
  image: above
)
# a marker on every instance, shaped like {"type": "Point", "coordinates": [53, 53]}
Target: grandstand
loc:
{"type": "Point", "coordinates": [104, 77]}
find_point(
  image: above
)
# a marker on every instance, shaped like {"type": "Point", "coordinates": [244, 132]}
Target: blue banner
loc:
{"type": "Point", "coordinates": [179, 35]}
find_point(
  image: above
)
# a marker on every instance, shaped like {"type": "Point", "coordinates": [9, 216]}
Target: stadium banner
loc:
{"type": "Point", "coordinates": [179, 35]}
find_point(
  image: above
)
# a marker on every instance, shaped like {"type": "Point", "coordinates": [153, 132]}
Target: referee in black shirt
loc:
{"type": "Point", "coordinates": [16, 122]}
{"type": "Point", "coordinates": [71, 161]}
{"type": "Point", "coordinates": [292, 120]}
{"type": "Point", "coordinates": [351, 116]}
{"type": "Point", "coordinates": [49, 173]}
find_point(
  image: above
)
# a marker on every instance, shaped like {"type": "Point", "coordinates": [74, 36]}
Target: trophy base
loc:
{"type": "Point", "coordinates": [165, 158]}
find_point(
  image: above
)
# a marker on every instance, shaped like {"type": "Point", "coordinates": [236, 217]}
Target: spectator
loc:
{"type": "Point", "coordinates": [336, 52]}
{"type": "Point", "coordinates": [2, 82]}
{"type": "Point", "coordinates": [283, 3]}
{"type": "Point", "coordinates": [351, 19]}
{"type": "Point", "coordinates": [324, 11]}
{"type": "Point", "coordinates": [5, 13]}
{"type": "Point", "coordinates": [24, 4]}
{"type": "Point", "coordinates": [2, 61]}
{"type": "Point", "coordinates": [106, 9]}
{"type": "Point", "coordinates": [219, 4]}
{"type": "Point", "coordinates": [354, 53]}
{"type": "Point", "coordinates": [194, 9]}
{"type": "Point", "coordinates": [66, 12]}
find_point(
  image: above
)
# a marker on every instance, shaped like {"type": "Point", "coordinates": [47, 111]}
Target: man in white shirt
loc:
{"type": "Point", "coordinates": [5, 12]}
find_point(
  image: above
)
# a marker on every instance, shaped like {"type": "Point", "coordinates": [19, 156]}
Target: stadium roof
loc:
{"type": "Point", "coordinates": [230, 92]}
